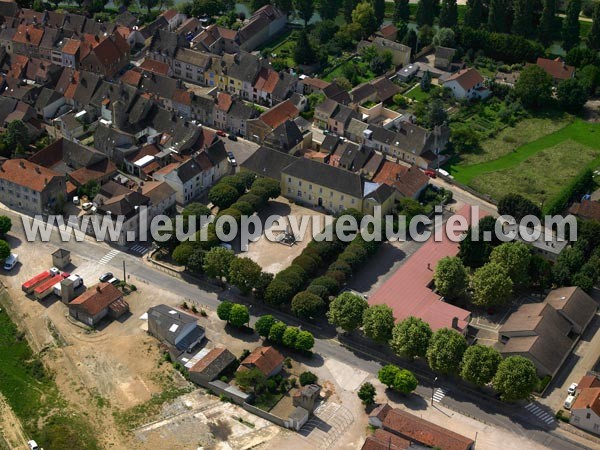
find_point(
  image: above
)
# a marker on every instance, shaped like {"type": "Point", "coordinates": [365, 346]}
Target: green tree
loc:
{"type": "Point", "coordinates": [305, 341]}
{"type": "Point", "coordinates": [498, 16]}
{"type": "Point", "coordinates": [349, 6]}
{"type": "Point", "coordinates": [474, 14]}
{"type": "Point", "coordinates": [236, 182]}
{"type": "Point", "coordinates": [593, 38]}
{"type": "Point", "coordinates": [305, 10]}
{"type": "Point", "coordinates": [378, 322]}
{"type": "Point", "coordinates": [474, 250]}
{"type": "Point", "coordinates": [17, 136]}
{"type": "Point", "coordinates": [307, 378]}
{"type": "Point", "coordinates": [446, 350]}
{"type": "Point", "coordinates": [5, 225]}
{"type": "Point", "coordinates": [514, 257]}
{"type": "Point", "coordinates": [522, 17]}
{"type": "Point", "coordinates": [193, 212]}
{"type": "Point", "coordinates": [217, 262]}
{"type": "Point", "coordinates": [224, 310]}
{"type": "Point", "coordinates": [491, 285]}
{"type": "Point", "coordinates": [450, 277]}
{"type": "Point", "coordinates": [364, 16]}
{"type": "Point", "coordinates": [182, 253]}
{"type": "Point", "coordinates": [244, 274]}
{"type": "Point", "coordinates": [426, 12]}
{"type": "Point", "coordinates": [148, 4]}
{"type": "Point", "coordinates": [547, 27]}
{"type": "Point", "coordinates": [411, 337]}
{"type": "Point", "coordinates": [570, 30]}
{"type": "Point", "coordinates": [405, 382]}
{"type": "Point", "coordinates": [250, 380]}
{"type": "Point", "coordinates": [379, 9]}
{"type": "Point", "coordinates": [223, 195]}
{"type": "Point", "coordinates": [387, 374]}
{"type": "Point", "coordinates": [304, 53]}
{"type": "Point", "coordinates": [448, 14]}
{"type": "Point", "coordinates": [568, 263]}
{"type": "Point", "coordinates": [401, 11]}
{"type": "Point", "coordinates": [479, 364]}
{"type": "Point", "coordinates": [277, 331]}
{"type": "Point", "coordinates": [444, 37]}
{"type": "Point", "coordinates": [328, 9]}
{"type": "Point", "coordinates": [195, 262]}
{"type": "Point", "coordinates": [515, 379]}
{"type": "Point", "coordinates": [278, 292]}
{"type": "Point", "coordinates": [517, 206]}
{"type": "Point", "coordinates": [257, 4]}
{"type": "Point", "coordinates": [346, 311]}
{"type": "Point", "coordinates": [306, 305]}
{"type": "Point", "coordinates": [571, 94]}
{"type": "Point", "coordinates": [289, 337]}
{"type": "Point", "coordinates": [425, 83]}
{"type": "Point", "coordinates": [4, 250]}
{"type": "Point", "coordinates": [271, 187]}
{"type": "Point", "coordinates": [263, 325]}
{"type": "Point", "coordinates": [435, 114]}
{"type": "Point", "coordinates": [367, 393]}
{"type": "Point", "coordinates": [534, 87]}
{"type": "Point", "coordinates": [239, 315]}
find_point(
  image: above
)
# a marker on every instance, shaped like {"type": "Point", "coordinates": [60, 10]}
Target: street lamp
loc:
{"type": "Point", "coordinates": [433, 389]}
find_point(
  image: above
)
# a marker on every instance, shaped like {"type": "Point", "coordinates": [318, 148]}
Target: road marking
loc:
{"type": "Point", "coordinates": [540, 414]}
{"type": "Point", "coordinates": [110, 255]}
{"type": "Point", "coordinates": [138, 249]}
{"type": "Point", "coordinates": [439, 394]}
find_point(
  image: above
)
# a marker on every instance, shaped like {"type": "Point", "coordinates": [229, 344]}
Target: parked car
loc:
{"type": "Point", "coordinates": [105, 277]}
{"type": "Point", "coordinates": [76, 200]}
{"type": "Point", "coordinates": [232, 137]}
{"type": "Point", "coordinates": [430, 173]}
{"type": "Point", "coordinates": [33, 445]}
{"type": "Point", "coordinates": [11, 261]}
{"type": "Point", "coordinates": [569, 401]}
{"type": "Point", "coordinates": [572, 389]}
{"type": "Point", "coordinates": [231, 158]}
{"type": "Point", "coordinates": [443, 172]}
{"type": "Point", "coordinates": [87, 205]}
{"type": "Point", "coordinates": [221, 133]}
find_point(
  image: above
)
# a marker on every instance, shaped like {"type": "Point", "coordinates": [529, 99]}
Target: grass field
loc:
{"type": "Point", "coordinates": [417, 94]}
{"type": "Point", "coordinates": [32, 394]}
{"type": "Point", "coordinates": [364, 71]}
{"type": "Point", "coordinates": [539, 168]}
{"type": "Point", "coordinates": [511, 138]}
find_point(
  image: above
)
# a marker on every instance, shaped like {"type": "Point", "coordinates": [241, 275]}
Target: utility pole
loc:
{"type": "Point", "coordinates": [433, 389]}
{"type": "Point", "coordinates": [124, 274]}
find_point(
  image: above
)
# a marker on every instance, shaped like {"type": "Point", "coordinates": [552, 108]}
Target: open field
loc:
{"type": "Point", "coordinates": [511, 138]}
{"type": "Point", "coordinates": [416, 94]}
{"type": "Point", "coordinates": [538, 169]}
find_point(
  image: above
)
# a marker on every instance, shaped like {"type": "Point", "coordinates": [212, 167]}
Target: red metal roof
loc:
{"type": "Point", "coordinates": [408, 293]}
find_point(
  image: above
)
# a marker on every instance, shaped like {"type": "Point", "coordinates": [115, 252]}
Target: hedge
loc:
{"type": "Point", "coordinates": [580, 185]}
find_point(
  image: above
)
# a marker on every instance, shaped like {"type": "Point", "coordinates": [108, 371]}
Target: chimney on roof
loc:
{"type": "Point", "coordinates": [37, 169]}
{"type": "Point", "coordinates": [98, 288]}
{"type": "Point", "coordinates": [455, 323]}
{"type": "Point", "coordinates": [22, 164]}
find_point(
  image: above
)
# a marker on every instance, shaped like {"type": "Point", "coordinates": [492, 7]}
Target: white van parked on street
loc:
{"type": "Point", "coordinates": [11, 261]}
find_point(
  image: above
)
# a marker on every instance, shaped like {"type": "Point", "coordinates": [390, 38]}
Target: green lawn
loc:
{"type": "Point", "coordinates": [511, 138]}
{"type": "Point", "coordinates": [539, 168]}
{"type": "Point", "coordinates": [417, 94]}
{"type": "Point", "coordinates": [362, 67]}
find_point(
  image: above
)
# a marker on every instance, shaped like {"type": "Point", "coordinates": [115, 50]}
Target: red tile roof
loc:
{"type": "Point", "coordinates": [407, 291]}
{"type": "Point", "coordinates": [384, 440]}
{"type": "Point", "coordinates": [588, 398]}
{"type": "Point", "coordinates": [182, 96]}
{"type": "Point", "coordinates": [170, 13]}
{"type": "Point", "coordinates": [467, 78]}
{"type": "Point", "coordinates": [71, 46]}
{"type": "Point", "coordinates": [265, 359]}
{"type": "Point", "coordinates": [407, 180]}
{"type": "Point", "coordinates": [266, 81]}
{"type": "Point", "coordinates": [132, 77]}
{"type": "Point", "coordinates": [587, 209]}
{"type": "Point", "coordinates": [97, 298]}
{"type": "Point", "coordinates": [94, 173]}
{"type": "Point", "coordinates": [424, 432]}
{"type": "Point", "coordinates": [316, 83]}
{"type": "Point", "coordinates": [28, 174]}
{"type": "Point", "coordinates": [224, 101]}
{"type": "Point", "coordinates": [588, 381]}
{"type": "Point", "coordinates": [29, 34]}
{"type": "Point", "coordinates": [280, 113]}
{"type": "Point", "coordinates": [155, 66]}
{"type": "Point", "coordinates": [556, 68]}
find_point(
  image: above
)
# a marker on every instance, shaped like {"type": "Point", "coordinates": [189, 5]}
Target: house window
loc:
{"type": "Point", "coordinates": [353, 201]}
{"type": "Point", "coordinates": [342, 197]}
{"type": "Point", "coordinates": [310, 187]}
{"type": "Point", "coordinates": [289, 179]}
{"type": "Point", "coordinates": [299, 183]}
{"type": "Point", "coordinates": [289, 191]}
{"type": "Point", "coordinates": [299, 193]}
{"type": "Point", "coordinates": [320, 190]}
{"type": "Point", "coordinates": [588, 415]}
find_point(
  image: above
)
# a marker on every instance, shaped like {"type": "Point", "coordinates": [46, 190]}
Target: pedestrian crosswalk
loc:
{"type": "Point", "coordinates": [439, 394]}
{"type": "Point", "coordinates": [539, 413]}
{"type": "Point", "coordinates": [110, 255]}
{"type": "Point", "coordinates": [138, 249]}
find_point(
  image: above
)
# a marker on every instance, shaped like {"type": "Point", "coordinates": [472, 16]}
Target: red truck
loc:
{"type": "Point", "coordinates": [45, 288]}
{"type": "Point", "coordinates": [32, 283]}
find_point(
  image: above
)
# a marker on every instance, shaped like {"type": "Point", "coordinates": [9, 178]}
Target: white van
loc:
{"type": "Point", "coordinates": [11, 261]}
{"type": "Point", "coordinates": [569, 401]}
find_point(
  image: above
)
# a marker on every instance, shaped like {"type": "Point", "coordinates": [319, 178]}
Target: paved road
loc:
{"type": "Point", "coordinates": [514, 418]}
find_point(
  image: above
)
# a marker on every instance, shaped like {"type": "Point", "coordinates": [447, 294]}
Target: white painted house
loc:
{"type": "Point", "coordinates": [467, 84]}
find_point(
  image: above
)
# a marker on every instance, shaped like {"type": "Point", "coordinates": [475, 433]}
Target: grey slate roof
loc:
{"type": "Point", "coordinates": [268, 162]}
{"type": "Point", "coordinates": [335, 178]}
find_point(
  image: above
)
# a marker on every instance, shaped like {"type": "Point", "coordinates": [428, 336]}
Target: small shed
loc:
{"type": "Point", "coordinates": [61, 258]}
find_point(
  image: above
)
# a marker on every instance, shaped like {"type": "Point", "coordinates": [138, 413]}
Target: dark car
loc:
{"type": "Point", "coordinates": [221, 133]}
{"type": "Point", "coordinates": [232, 137]}
{"type": "Point", "coordinates": [105, 277]}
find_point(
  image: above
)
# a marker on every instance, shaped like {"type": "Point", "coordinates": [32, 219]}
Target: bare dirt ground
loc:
{"type": "Point", "coordinates": [273, 256]}
{"type": "Point", "coordinates": [10, 427]}
{"type": "Point", "coordinates": [116, 367]}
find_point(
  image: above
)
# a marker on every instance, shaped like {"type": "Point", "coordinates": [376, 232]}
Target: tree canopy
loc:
{"type": "Point", "coordinates": [446, 350]}
{"type": "Point", "coordinates": [515, 379]}
{"type": "Point", "coordinates": [534, 87]}
{"type": "Point", "coordinates": [450, 277]}
{"type": "Point", "coordinates": [479, 364]}
{"type": "Point", "coordinates": [491, 285]}
{"type": "Point", "coordinates": [514, 257]}
{"type": "Point", "coordinates": [411, 337]}
{"type": "Point", "coordinates": [378, 322]}
{"type": "Point", "coordinates": [346, 311]}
